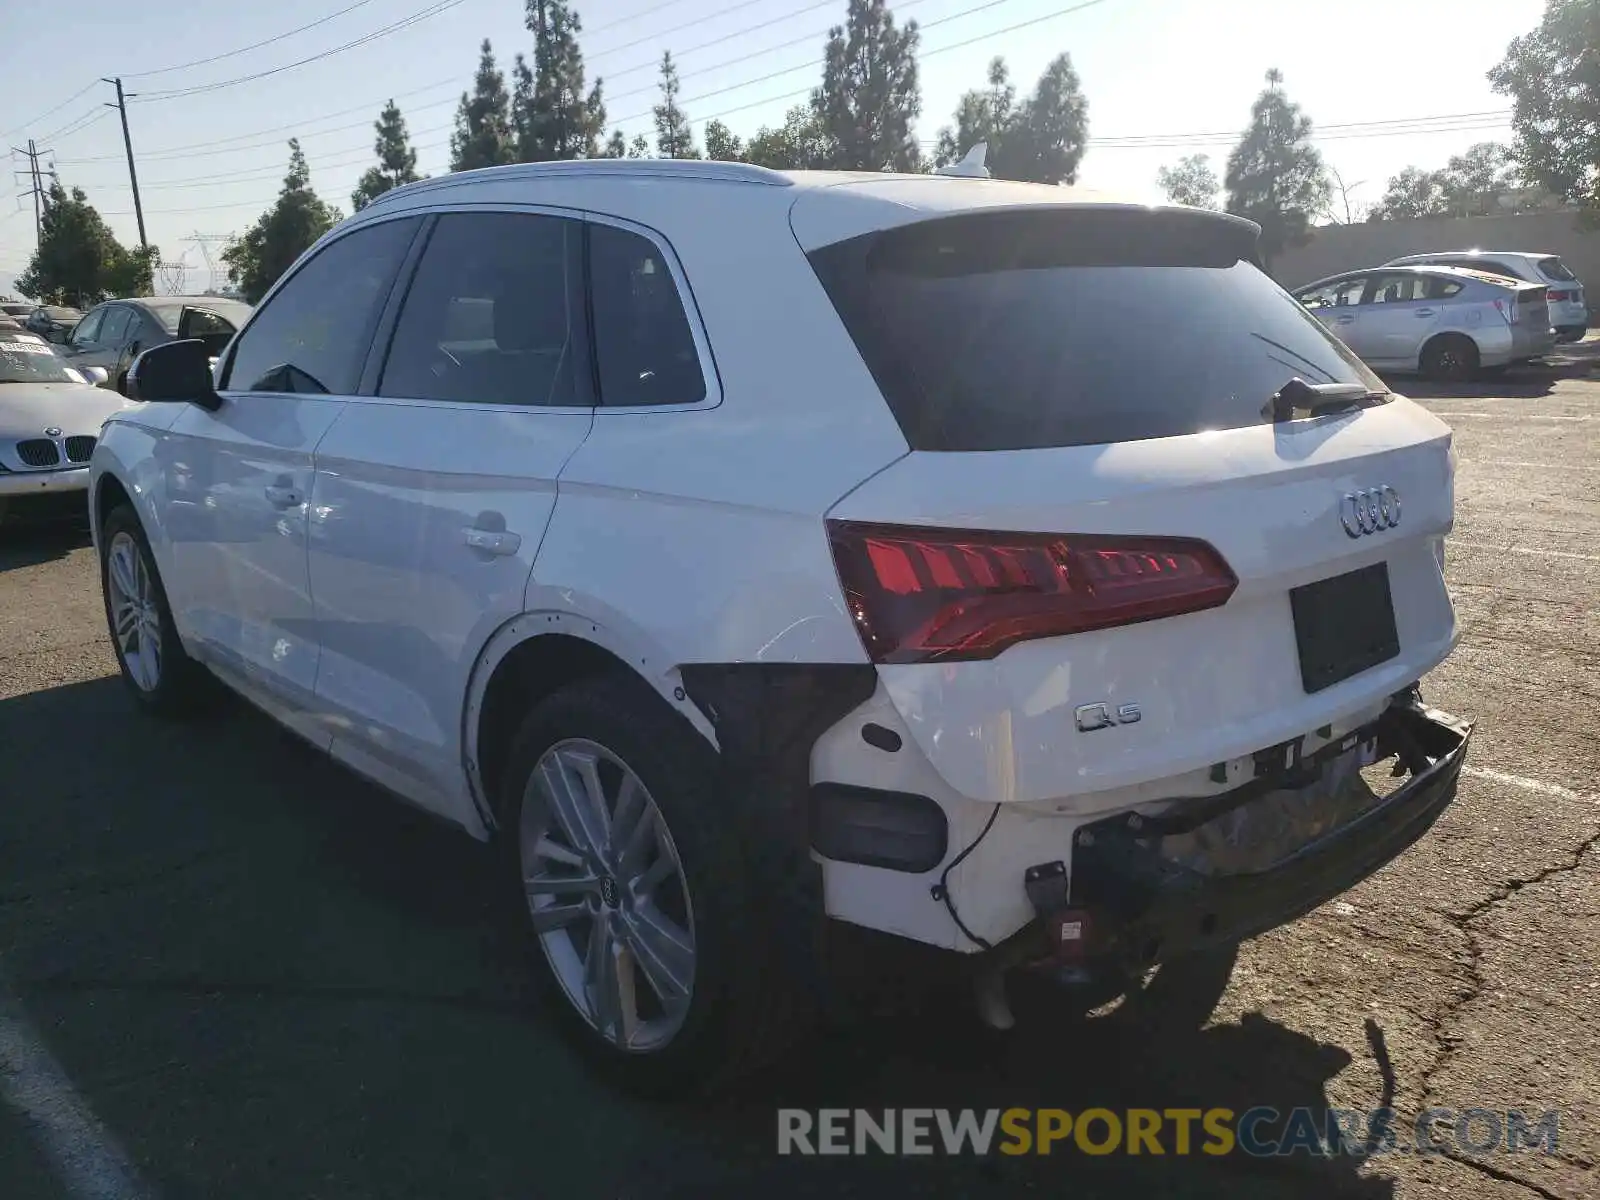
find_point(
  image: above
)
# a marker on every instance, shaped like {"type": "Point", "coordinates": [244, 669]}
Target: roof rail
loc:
{"type": "Point", "coordinates": [660, 168]}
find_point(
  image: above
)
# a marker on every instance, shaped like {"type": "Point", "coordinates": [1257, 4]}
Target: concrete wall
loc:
{"type": "Point", "coordinates": [1337, 248]}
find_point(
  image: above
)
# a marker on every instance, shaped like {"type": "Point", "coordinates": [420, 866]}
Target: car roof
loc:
{"type": "Point", "coordinates": [824, 206]}
{"type": "Point", "coordinates": [1479, 254]}
{"type": "Point", "coordinates": [1412, 269]}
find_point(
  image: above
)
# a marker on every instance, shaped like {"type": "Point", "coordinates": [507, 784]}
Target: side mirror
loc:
{"type": "Point", "coordinates": [57, 335]}
{"type": "Point", "coordinates": [95, 375]}
{"type": "Point", "coordinates": [177, 372]}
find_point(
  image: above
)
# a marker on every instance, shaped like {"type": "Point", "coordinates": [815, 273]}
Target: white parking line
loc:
{"type": "Point", "coordinates": [87, 1159]}
{"type": "Point", "coordinates": [1517, 416]}
{"type": "Point", "coordinates": [1531, 785]}
{"type": "Point", "coordinates": [1507, 462]}
{"type": "Point", "coordinates": [1533, 550]}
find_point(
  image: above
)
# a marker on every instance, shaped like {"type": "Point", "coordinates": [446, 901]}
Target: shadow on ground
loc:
{"type": "Point", "coordinates": [27, 544]}
{"type": "Point", "coordinates": [271, 980]}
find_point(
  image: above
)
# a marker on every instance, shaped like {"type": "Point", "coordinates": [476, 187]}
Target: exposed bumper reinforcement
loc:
{"type": "Point", "coordinates": [1147, 908]}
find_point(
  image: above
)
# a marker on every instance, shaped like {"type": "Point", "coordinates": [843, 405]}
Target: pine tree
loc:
{"type": "Point", "coordinates": [522, 109]}
{"type": "Point", "coordinates": [982, 116]}
{"type": "Point", "coordinates": [397, 161]}
{"type": "Point", "coordinates": [563, 121]}
{"type": "Point", "coordinates": [1040, 140]}
{"type": "Point", "coordinates": [483, 122]}
{"type": "Point", "coordinates": [674, 138]}
{"type": "Point", "coordinates": [722, 143]}
{"type": "Point", "coordinates": [869, 95]}
{"type": "Point", "coordinates": [1275, 175]}
{"type": "Point", "coordinates": [282, 233]}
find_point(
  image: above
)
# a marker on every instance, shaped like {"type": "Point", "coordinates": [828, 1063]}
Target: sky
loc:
{"type": "Point", "coordinates": [1389, 83]}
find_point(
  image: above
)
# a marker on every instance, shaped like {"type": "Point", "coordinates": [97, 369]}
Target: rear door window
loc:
{"type": "Point", "coordinates": [1009, 331]}
{"type": "Point", "coordinates": [494, 314]}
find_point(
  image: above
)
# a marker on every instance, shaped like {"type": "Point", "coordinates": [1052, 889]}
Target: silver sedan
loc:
{"type": "Point", "coordinates": [50, 419]}
{"type": "Point", "coordinates": [1445, 322]}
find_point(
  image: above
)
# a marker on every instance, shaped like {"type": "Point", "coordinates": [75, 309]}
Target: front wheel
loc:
{"type": "Point", "coordinates": [635, 890]}
{"type": "Point", "coordinates": [161, 676]}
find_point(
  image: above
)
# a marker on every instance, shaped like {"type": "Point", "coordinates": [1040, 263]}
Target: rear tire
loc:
{"type": "Point", "coordinates": [1450, 358]}
{"type": "Point", "coordinates": [699, 1016]}
{"type": "Point", "coordinates": [159, 673]}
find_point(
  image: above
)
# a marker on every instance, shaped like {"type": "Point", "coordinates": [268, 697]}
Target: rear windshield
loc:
{"type": "Point", "coordinates": [1554, 268]}
{"type": "Point", "coordinates": [1010, 331]}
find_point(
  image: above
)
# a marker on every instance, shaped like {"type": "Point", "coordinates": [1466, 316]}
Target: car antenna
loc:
{"type": "Point", "coordinates": [970, 167]}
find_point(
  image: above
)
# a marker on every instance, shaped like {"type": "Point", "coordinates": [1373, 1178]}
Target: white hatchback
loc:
{"type": "Point", "coordinates": [761, 555]}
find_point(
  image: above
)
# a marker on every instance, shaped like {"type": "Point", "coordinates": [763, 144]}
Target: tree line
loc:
{"type": "Point", "coordinates": [1276, 176]}
{"type": "Point", "coordinates": [862, 116]}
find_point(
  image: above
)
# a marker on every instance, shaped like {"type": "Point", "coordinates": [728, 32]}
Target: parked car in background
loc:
{"type": "Point", "coordinates": [1445, 322]}
{"type": "Point", "coordinates": [112, 335]}
{"type": "Point", "coordinates": [749, 549]}
{"type": "Point", "coordinates": [53, 321]}
{"type": "Point", "coordinates": [50, 418]}
{"type": "Point", "coordinates": [1569, 311]}
{"type": "Point", "coordinates": [17, 310]}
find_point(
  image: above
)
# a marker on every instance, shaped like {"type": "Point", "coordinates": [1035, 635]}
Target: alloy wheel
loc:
{"type": "Point", "coordinates": [135, 611]}
{"type": "Point", "coordinates": [607, 895]}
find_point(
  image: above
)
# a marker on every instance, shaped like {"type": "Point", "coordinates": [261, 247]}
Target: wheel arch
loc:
{"type": "Point", "coordinates": [533, 656]}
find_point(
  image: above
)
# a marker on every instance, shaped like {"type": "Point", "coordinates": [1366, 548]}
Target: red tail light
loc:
{"type": "Point", "coordinates": [923, 595]}
{"type": "Point", "coordinates": [1558, 297]}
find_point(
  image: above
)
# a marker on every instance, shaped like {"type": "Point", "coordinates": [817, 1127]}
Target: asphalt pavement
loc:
{"type": "Point", "coordinates": [260, 977]}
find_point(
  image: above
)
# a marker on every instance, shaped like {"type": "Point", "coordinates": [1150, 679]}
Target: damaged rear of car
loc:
{"type": "Point", "coordinates": [1149, 598]}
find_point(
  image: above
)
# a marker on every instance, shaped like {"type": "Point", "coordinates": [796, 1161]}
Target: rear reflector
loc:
{"type": "Point", "coordinates": [926, 595]}
{"type": "Point", "coordinates": [1558, 297]}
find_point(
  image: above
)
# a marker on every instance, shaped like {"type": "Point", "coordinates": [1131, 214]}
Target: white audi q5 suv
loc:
{"type": "Point", "coordinates": [1006, 569]}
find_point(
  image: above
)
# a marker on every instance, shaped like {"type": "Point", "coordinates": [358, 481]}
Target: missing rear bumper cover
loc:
{"type": "Point", "coordinates": [1199, 876]}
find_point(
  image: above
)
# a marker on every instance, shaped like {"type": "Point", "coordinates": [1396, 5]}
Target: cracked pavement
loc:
{"type": "Point", "coordinates": [269, 980]}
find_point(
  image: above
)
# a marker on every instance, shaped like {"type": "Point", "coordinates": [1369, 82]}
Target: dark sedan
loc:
{"type": "Point", "coordinates": [113, 334]}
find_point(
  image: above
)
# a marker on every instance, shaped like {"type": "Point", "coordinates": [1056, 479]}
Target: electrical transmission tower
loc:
{"type": "Point", "coordinates": [210, 245]}
{"type": "Point", "coordinates": [36, 187]}
{"type": "Point", "coordinates": [174, 275]}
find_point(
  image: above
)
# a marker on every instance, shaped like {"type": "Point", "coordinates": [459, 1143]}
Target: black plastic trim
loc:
{"type": "Point", "coordinates": [767, 718]}
{"type": "Point", "coordinates": [920, 838]}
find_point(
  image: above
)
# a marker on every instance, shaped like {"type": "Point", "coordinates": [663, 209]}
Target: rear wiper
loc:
{"type": "Point", "coordinates": [1298, 399]}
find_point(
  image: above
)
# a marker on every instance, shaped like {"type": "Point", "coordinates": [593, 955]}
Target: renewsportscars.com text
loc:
{"type": "Point", "coordinates": [1260, 1132]}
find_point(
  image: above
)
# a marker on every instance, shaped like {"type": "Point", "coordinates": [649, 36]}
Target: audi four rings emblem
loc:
{"type": "Point", "coordinates": [1369, 510]}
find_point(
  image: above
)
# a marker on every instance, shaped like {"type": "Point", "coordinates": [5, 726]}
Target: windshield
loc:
{"type": "Point", "coordinates": [1554, 268]}
{"type": "Point", "coordinates": [30, 361]}
{"type": "Point", "coordinates": [1072, 328]}
{"type": "Point", "coordinates": [16, 310]}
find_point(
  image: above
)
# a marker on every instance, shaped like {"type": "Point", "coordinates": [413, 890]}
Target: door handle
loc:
{"type": "Point", "coordinates": [1345, 320]}
{"type": "Point", "coordinates": [282, 496]}
{"type": "Point", "coordinates": [1423, 312]}
{"type": "Point", "coordinates": [492, 541]}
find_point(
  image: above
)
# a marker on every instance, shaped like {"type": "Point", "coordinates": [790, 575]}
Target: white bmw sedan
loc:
{"type": "Point", "coordinates": [759, 557]}
{"type": "Point", "coordinates": [50, 418]}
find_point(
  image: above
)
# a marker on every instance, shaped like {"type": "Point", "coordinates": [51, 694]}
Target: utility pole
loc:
{"type": "Point", "coordinates": [133, 176]}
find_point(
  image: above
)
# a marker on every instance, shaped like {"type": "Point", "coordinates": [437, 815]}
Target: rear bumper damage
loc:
{"type": "Point", "coordinates": [1141, 890]}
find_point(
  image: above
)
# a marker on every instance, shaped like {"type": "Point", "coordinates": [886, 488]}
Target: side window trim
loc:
{"type": "Point", "coordinates": [225, 374]}
{"type": "Point", "coordinates": [691, 311]}
{"type": "Point", "coordinates": [389, 321]}
{"type": "Point", "coordinates": [389, 316]}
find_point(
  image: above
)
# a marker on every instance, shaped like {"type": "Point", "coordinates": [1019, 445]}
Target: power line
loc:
{"type": "Point", "coordinates": [200, 62]}
{"type": "Point", "coordinates": [49, 112]}
{"type": "Point", "coordinates": [404, 23]}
